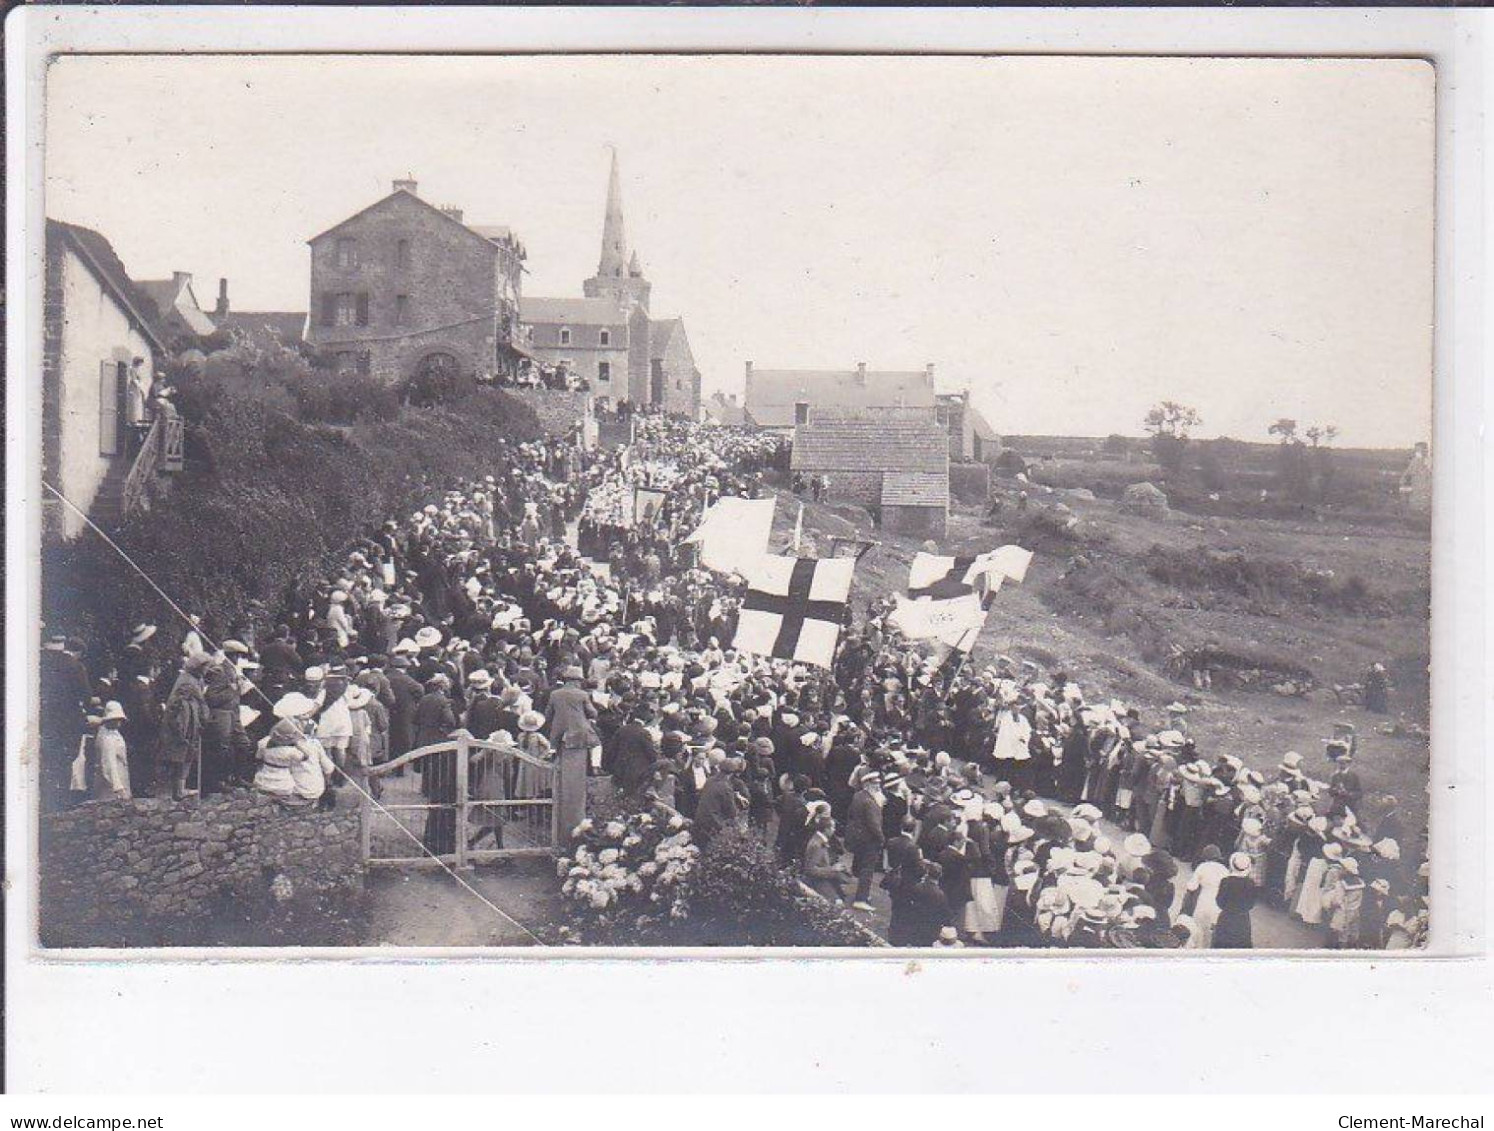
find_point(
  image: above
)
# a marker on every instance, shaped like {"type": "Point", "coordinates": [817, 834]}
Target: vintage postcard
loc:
{"type": "Point", "coordinates": [743, 501]}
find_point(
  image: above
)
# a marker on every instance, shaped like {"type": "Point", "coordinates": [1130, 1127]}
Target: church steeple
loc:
{"type": "Point", "coordinates": [614, 259]}
{"type": "Point", "coordinates": [619, 275]}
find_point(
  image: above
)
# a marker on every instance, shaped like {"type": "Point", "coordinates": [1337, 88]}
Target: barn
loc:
{"type": "Point", "coordinates": [881, 459]}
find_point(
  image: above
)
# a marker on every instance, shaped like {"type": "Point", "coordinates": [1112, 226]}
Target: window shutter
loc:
{"type": "Point", "coordinates": [363, 308]}
{"type": "Point", "coordinates": [329, 309]}
{"type": "Point", "coordinates": [363, 363]}
{"type": "Point", "coordinates": [108, 408]}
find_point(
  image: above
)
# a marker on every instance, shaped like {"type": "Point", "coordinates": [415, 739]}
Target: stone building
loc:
{"type": "Point", "coordinates": [98, 325]}
{"type": "Point", "coordinates": [971, 437]}
{"type": "Point", "coordinates": [892, 461]}
{"type": "Point", "coordinates": [780, 399]}
{"type": "Point", "coordinates": [404, 288]}
{"type": "Point", "coordinates": [608, 337]}
{"type": "Point", "coordinates": [179, 315]}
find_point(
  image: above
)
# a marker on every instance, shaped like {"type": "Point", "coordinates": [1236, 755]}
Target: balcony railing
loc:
{"type": "Point", "coordinates": [161, 453]}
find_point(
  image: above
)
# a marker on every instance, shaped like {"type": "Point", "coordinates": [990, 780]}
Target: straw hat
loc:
{"type": "Point", "coordinates": [1240, 863]}
{"type": "Point", "coordinates": [531, 721]}
{"type": "Point", "coordinates": [294, 705]}
{"type": "Point", "coordinates": [428, 637]}
{"type": "Point", "coordinates": [113, 712]}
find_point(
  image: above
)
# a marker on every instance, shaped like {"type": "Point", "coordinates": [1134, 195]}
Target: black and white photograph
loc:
{"type": "Point", "coordinates": [960, 505]}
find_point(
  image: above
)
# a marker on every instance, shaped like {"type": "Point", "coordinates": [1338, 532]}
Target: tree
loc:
{"type": "Point", "coordinates": [1116, 444]}
{"type": "Point", "coordinates": [1171, 419]}
{"type": "Point", "coordinates": [1169, 423]}
{"type": "Point", "coordinates": [1286, 429]}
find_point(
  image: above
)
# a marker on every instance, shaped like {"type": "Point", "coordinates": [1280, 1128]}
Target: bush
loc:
{"type": "Point", "coordinates": [269, 504]}
{"type": "Point", "coordinates": [729, 893]}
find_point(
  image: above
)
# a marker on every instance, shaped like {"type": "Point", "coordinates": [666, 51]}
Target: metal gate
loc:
{"type": "Point", "coordinates": [465, 800]}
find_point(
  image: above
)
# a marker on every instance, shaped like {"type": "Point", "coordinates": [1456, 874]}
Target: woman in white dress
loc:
{"type": "Point", "coordinates": [1310, 899]}
{"type": "Point", "coordinates": [1201, 897]}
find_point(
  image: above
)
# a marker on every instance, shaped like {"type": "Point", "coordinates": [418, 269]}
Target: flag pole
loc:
{"type": "Point", "coordinates": [798, 528]}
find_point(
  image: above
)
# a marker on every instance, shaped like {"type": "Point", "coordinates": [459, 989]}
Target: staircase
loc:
{"type": "Point", "coordinates": [108, 503]}
{"type": "Point", "coordinates": [124, 489]}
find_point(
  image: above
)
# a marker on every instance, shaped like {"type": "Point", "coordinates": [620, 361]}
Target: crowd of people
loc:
{"type": "Point", "coordinates": [994, 804]}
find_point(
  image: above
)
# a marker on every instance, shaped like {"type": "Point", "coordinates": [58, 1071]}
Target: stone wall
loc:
{"type": "Point", "coordinates": [222, 871]}
{"type": "Point", "coordinates": [558, 411]}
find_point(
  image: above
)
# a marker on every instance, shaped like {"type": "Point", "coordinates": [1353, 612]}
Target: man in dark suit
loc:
{"type": "Point", "coordinates": [793, 821]}
{"type": "Point", "coordinates": [631, 755]}
{"type": "Point", "coordinates": [718, 807]}
{"type": "Point", "coordinates": [864, 837]}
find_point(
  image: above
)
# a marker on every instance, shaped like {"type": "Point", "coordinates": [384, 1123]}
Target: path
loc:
{"type": "Point", "coordinates": [426, 907]}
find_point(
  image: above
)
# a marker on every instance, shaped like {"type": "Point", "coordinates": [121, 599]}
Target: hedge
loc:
{"type": "Point", "coordinates": [269, 503]}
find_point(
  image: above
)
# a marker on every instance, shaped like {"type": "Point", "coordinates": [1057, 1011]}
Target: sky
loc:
{"type": "Point", "coordinates": [1072, 239]}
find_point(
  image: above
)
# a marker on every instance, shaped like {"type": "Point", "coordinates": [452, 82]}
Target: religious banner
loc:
{"type": "Point", "coordinates": [733, 534]}
{"type": "Point", "coordinates": [646, 504]}
{"type": "Point", "coordinates": [794, 608]}
{"type": "Point", "coordinates": [955, 621]}
{"type": "Point", "coordinates": [940, 577]}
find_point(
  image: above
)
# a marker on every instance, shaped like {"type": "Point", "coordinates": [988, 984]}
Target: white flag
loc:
{"type": "Point", "coordinates": [794, 608]}
{"type": "Point", "coordinates": [955, 621]}
{"type": "Point", "coordinates": [733, 534]}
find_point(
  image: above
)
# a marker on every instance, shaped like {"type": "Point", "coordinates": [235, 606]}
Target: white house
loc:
{"type": "Point", "coordinates": [97, 323]}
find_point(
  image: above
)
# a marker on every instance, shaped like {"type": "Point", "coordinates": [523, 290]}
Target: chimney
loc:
{"type": "Point", "coordinates": [406, 186]}
{"type": "Point", "coordinates": [861, 374]}
{"type": "Point", "coordinates": [747, 388]}
{"type": "Point", "coordinates": [454, 213]}
{"type": "Point", "coordinates": [181, 279]}
{"type": "Point", "coordinates": [222, 308]}
{"type": "Point", "coordinates": [929, 370]}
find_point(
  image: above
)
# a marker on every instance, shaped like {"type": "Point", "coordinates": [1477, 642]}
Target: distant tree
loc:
{"type": "Point", "coordinates": [1168, 424]}
{"type": "Point", "coordinates": [1286, 429]}
{"type": "Point", "coordinates": [1116, 445]}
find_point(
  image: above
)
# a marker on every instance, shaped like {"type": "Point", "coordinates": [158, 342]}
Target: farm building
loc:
{"type": "Point", "coordinates": [781, 399]}
{"type": "Point", "coordinates": [893, 462]}
{"type": "Point", "coordinates": [971, 437]}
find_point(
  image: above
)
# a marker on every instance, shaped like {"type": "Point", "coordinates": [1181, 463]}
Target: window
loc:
{"type": "Point", "coordinates": [364, 363]}
{"type": "Point", "coordinates": [347, 253]}
{"type": "Point", "coordinates": [402, 253]}
{"type": "Point", "coordinates": [565, 335]}
{"type": "Point", "coordinates": [801, 412]}
{"type": "Point", "coordinates": [606, 337]}
{"type": "Point", "coordinates": [604, 370]}
{"type": "Point", "coordinates": [401, 310]}
{"type": "Point", "coordinates": [344, 308]}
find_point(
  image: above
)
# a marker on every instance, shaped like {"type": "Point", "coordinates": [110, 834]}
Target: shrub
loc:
{"type": "Point", "coordinates": [660, 889]}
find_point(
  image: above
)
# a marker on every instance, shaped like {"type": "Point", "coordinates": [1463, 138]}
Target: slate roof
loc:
{"type": "Point", "coordinates": [166, 293]}
{"type": "Point", "coordinates": [659, 332]}
{"type": "Point", "coordinates": [571, 312]}
{"type": "Point", "coordinates": [871, 443]}
{"type": "Point", "coordinates": [99, 255]}
{"type": "Point", "coordinates": [915, 489]}
{"type": "Point", "coordinates": [772, 393]}
{"type": "Point", "coordinates": [723, 411]}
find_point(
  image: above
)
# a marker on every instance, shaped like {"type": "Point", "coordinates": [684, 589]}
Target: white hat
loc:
{"type": "Point", "coordinates": [480, 678]}
{"type": "Point", "coordinates": [1035, 808]}
{"type": "Point", "coordinates": [406, 646]}
{"type": "Point", "coordinates": [113, 711]}
{"type": "Point", "coordinates": [315, 674]}
{"type": "Point", "coordinates": [428, 637]}
{"type": "Point", "coordinates": [294, 705]}
{"type": "Point", "coordinates": [357, 697]}
{"type": "Point", "coordinates": [1137, 845]}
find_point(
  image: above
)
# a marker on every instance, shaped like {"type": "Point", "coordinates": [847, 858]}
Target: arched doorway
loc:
{"type": "Point", "coordinates": [435, 378]}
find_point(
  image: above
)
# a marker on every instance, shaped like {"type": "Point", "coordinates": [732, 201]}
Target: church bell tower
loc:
{"type": "Point", "coordinates": [619, 276]}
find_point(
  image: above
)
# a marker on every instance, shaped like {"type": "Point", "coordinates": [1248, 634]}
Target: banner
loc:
{"type": "Point", "coordinates": [795, 608]}
{"type": "Point", "coordinates": [733, 534]}
{"type": "Point", "coordinates": [646, 504]}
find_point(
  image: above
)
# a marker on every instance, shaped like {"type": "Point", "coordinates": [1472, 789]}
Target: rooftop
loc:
{"type": "Point", "coordinates": [873, 442]}
{"type": "Point", "coordinates": [571, 312]}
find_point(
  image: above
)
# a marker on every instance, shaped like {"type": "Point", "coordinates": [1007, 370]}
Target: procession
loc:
{"type": "Point", "coordinates": [995, 804]}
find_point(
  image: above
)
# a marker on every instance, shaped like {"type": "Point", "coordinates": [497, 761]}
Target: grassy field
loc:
{"type": "Point", "coordinates": [1112, 597]}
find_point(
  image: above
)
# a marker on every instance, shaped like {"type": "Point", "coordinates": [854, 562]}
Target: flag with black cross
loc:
{"type": "Point", "coordinates": [795, 608]}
